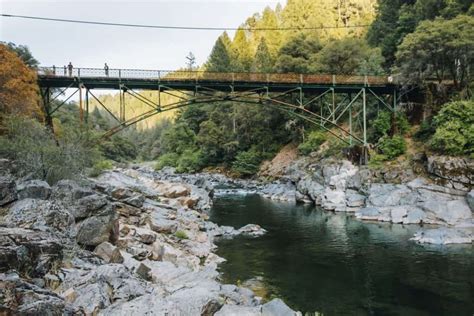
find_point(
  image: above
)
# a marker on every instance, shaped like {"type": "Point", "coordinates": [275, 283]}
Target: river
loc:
{"type": "Point", "coordinates": [322, 262]}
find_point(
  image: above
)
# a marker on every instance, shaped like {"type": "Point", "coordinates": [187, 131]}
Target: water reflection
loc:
{"type": "Point", "coordinates": [320, 261]}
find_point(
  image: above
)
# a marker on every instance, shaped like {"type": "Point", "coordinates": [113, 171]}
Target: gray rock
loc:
{"type": "Point", "coordinates": [8, 192]}
{"type": "Point", "coordinates": [253, 230]}
{"type": "Point", "coordinates": [454, 169]}
{"type": "Point", "coordinates": [34, 189]}
{"type": "Point", "coordinates": [136, 200]}
{"type": "Point", "coordinates": [238, 310]}
{"type": "Point", "coordinates": [470, 200]}
{"type": "Point", "coordinates": [445, 235]}
{"type": "Point", "coordinates": [69, 191]}
{"type": "Point", "coordinates": [160, 224]}
{"type": "Point", "coordinates": [105, 251]}
{"type": "Point", "coordinates": [96, 229]}
{"type": "Point", "coordinates": [87, 206]}
{"type": "Point", "coordinates": [354, 199]}
{"type": "Point", "coordinates": [41, 215]}
{"type": "Point", "coordinates": [277, 307]}
{"type": "Point", "coordinates": [450, 212]}
{"type": "Point", "coordinates": [374, 214]}
{"type": "Point", "coordinates": [28, 252]}
{"type": "Point", "coordinates": [19, 297]}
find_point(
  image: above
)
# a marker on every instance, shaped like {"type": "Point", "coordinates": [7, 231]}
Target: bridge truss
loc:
{"type": "Point", "coordinates": [337, 104]}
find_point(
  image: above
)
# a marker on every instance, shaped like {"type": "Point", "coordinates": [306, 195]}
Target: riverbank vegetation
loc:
{"type": "Point", "coordinates": [426, 45]}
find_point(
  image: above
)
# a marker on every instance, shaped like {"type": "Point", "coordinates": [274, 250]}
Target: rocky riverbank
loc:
{"type": "Point", "coordinates": [125, 243]}
{"type": "Point", "coordinates": [435, 194]}
{"type": "Point", "coordinates": [440, 199]}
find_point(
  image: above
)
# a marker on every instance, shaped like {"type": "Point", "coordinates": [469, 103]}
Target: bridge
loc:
{"type": "Point", "coordinates": [333, 102]}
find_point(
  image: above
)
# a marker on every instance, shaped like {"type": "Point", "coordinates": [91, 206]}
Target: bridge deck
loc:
{"type": "Point", "coordinates": [94, 78]}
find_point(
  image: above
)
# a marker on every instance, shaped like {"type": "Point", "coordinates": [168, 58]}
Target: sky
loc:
{"type": "Point", "coordinates": [55, 43]}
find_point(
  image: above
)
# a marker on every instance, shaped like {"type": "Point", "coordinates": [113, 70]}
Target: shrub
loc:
{"type": "Point", "coordinates": [247, 163]}
{"type": "Point", "coordinates": [189, 161]}
{"type": "Point", "coordinates": [376, 161]}
{"type": "Point", "coordinates": [312, 142]}
{"type": "Point", "coordinates": [454, 129]}
{"type": "Point", "coordinates": [39, 155]}
{"type": "Point", "coordinates": [392, 147]}
{"type": "Point", "coordinates": [100, 167]}
{"type": "Point", "coordinates": [426, 130]}
{"type": "Point", "coordinates": [181, 234]}
{"type": "Point", "coordinates": [167, 160]}
{"type": "Point", "coordinates": [383, 123]}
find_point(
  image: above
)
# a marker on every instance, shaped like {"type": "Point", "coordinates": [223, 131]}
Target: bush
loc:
{"type": "Point", "coordinates": [167, 160]}
{"type": "Point", "coordinates": [312, 142]}
{"type": "Point", "coordinates": [376, 161]}
{"type": "Point", "coordinates": [392, 147]}
{"type": "Point", "coordinates": [454, 129]}
{"type": "Point", "coordinates": [189, 161]}
{"type": "Point", "coordinates": [100, 167]}
{"type": "Point", "coordinates": [383, 124]}
{"type": "Point", "coordinates": [426, 130]}
{"type": "Point", "coordinates": [39, 155]}
{"type": "Point", "coordinates": [247, 163]}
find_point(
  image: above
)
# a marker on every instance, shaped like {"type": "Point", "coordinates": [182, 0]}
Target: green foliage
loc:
{"type": "Point", "coordinates": [118, 148]}
{"type": "Point", "coordinates": [376, 161]}
{"type": "Point", "coordinates": [247, 162]}
{"type": "Point", "coordinates": [189, 161]}
{"type": "Point", "coordinates": [167, 160]}
{"type": "Point", "coordinates": [100, 166]}
{"type": "Point", "coordinates": [349, 56]}
{"type": "Point", "coordinates": [181, 234]}
{"type": "Point", "coordinates": [263, 61]}
{"type": "Point", "coordinates": [24, 53]}
{"type": "Point", "coordinates": [39, 155]}
{"type": "Point", "coordinates": [426, 130]}
{"type": "Point", "coordinates": [298, 55]}
{"type": "Point", "coordinates": [219, 60]}
{"type": "Point", "coordinates": [177, 139]}
{"type": "Point", "coordinates": [312, 142]}
{"type": "Point", "coordinates": [382, 125]}
{"type": "Point", "coordinates": [392, 147]}
{"type": "Point", "coordinates": [443, 49]}
{"type": "Point", "coordinates": [455, 129]}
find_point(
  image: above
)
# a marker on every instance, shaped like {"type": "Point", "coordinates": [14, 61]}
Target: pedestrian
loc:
{"type": "Point", "coordinates": [106, 69]}
{"type": "Point", "coordinates": [65, 70]}
{"type": "Point", "coordinates": [54, 70]}
{"type": "Point", "coordinates": [69, 68]}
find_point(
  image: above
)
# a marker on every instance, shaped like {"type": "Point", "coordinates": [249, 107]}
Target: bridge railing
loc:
{"type": "Point", "coordinates": [187, 75]}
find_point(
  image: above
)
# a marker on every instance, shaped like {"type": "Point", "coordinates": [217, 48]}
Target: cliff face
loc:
{"type": "Point", "coordinates": [124, 243]}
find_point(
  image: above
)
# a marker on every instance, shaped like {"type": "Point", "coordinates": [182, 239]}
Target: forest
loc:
{"type": "Point", "coordinates": [425, 43]}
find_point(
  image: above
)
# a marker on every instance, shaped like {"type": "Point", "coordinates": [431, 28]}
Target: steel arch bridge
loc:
{"type": "Point", "coordinates": [332, 102]}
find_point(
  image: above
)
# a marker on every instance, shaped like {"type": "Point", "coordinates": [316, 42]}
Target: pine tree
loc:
{"type": "Point", "coordinates": [219, 60]}
{"type": "Point", "coordinates": [263, 61]}
{"type": "Point", "coordinates": [241, 54]}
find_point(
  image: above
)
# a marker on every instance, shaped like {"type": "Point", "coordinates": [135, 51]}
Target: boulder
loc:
{"type": "Point", "coordinates": [28, 252]}
{"type": "Point", "coordinates": [41, 215]}
{"type": "Point", "coordinates": [69, 191]}
{"type": "Point", "coordinates": [87, 206]}
{"type": "Point", "coordinates": [174, 190]}
{"type": "Point", "coordinates": [277, 307]}
{"type": "Point", "coordinates": [99, 228]}
{"type": "Point", "coordinates": [120, 193]}
{"type": "Point", "coordinates": [19, 297]}
{"type": "Point", "coordinates": [445, 235]}
{"type": "Point", "coordinates": [238, 310]}
{"type": "Point", "coordinates": [8, 192]}
{"type": "Point", "coordinates": [160, 224]}
{"type": "Point", "coordinates": [34, 189]}
{"type": "Point", "coordinates": [105, 251]}
{"type": "Point", "coordinates": [455, 169]}
{"type": "Point", "coordinates": [449, 212]}
{"type": "Point", "coordinates": [136, 200]}
{"type": "Point", "coordinates": [252, 230]}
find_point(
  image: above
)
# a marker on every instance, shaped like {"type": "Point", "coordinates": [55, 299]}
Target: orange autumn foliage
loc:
{"type": "Point", "coordinates": [19, 91]}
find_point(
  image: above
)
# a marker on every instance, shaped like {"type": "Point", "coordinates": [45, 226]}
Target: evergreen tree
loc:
{"type": "Point", "coordinates": [263, 61]}
{"type": "Point", "coordinates": [241, 53]}
{"type": "Point", "coordinates": [219, 60]}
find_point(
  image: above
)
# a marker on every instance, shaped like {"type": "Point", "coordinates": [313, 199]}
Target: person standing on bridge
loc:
{"type": "Point", "coordinates": [70, 67]}
{"type": "Point", "coordinates": [106, 69]}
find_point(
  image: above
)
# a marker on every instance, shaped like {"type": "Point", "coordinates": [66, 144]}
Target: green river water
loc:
{"type": "Point", "coordinates": [321, 262]}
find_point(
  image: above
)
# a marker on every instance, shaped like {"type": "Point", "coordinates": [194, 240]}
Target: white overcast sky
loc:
{"type": "Point", "coordinates": [55, 43]}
